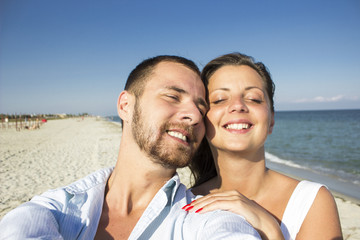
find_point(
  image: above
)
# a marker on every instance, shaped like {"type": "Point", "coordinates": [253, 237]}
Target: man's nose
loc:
{"type": "Point", "coordinates": [191, 114]}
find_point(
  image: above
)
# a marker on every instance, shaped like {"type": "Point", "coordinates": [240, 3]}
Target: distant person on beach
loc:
{"type": "Point", "coordinates": [7, 122]}
{"type": "Point", "coordinates": [162, 109]}
{"type": "Point", "coordinates": [230, 167]}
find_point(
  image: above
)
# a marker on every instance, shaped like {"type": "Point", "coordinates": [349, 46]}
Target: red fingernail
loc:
{"type": "Point", "coordinates": [189, 208]}
{"type": "Point", "coordinates": [185, 206]}
{"type": "Point", "coordinates": [193, 201]}
{"type": "Point", "coordinates": [199, 210]}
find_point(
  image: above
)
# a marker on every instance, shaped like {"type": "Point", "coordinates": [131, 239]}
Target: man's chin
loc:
{"type": "Point", "coordinates": [173, 160]}
{"type": "Point", "coordinates": [171, 155]}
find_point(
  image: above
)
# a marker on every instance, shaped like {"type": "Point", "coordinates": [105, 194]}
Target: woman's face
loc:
{"type": "Point", "coordinates": [239, 118]}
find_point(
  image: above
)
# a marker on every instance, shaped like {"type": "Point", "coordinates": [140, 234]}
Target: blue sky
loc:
{"type": "Point", "coordinates": [74, 56]}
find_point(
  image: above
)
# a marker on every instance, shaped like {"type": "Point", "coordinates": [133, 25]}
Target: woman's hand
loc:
{"type": "Point", "coordinates": [235, 202]}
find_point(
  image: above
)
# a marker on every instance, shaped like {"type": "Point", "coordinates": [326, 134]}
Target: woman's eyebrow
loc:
{"type": "Point", "coordinates": [222, 89]}
{"type": "Point", "coordinates": [228, 89]}
{"type": "Point", "coordinates": [254, 87]}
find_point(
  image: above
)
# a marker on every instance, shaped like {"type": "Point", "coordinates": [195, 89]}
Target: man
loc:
{"type": "Point", "coordinates": [162, 109]}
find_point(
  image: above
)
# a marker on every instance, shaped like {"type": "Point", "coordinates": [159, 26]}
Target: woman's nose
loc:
{"type": "Point", "coordinates": [238, 105]}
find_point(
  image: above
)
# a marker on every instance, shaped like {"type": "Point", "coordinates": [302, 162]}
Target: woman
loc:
{"type": "Point", "coordinates": [234, 177]}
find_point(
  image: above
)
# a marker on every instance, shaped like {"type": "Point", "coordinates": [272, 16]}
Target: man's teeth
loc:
{"type": "Point", "coordinates": [177, 135]}
{"type": "Point", "coordinates": [238, 126]}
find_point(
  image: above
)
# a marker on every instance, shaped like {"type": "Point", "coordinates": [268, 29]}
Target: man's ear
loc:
{"type": "Point", "coordinates": [124, 105]}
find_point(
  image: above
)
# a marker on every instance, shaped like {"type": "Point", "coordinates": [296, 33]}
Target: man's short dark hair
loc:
{"type": "Point", "coordinates": [137, 79]}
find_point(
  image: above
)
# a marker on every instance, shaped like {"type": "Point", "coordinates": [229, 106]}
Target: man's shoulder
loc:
{"type": "Point", "coordinates": [220, 225]}
{"type": "Point", "coordinates": [63, 207]}
{"type": "Point", "coordinates": [217, 224]}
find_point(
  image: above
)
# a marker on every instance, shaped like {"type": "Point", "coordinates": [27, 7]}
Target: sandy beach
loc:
{"type": "Point", "coordinates": [62, 151]}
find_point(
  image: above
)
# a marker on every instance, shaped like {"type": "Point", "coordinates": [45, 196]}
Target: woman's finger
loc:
{"type": "Point", "coordinates": [203, 201]}
{"type": "Point", "coordinates": [230, 203]}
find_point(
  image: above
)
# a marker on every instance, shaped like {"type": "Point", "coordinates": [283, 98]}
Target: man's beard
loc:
{"type": "Point", "coordinates": [151, 141]}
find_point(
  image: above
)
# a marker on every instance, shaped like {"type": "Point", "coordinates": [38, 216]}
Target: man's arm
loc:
{"type": "Point", "coordinates": [29, 220]}
{"type": "Point", "coordinates": [218, 225]}
{"type": "Point", "coordinates": [229, 226]}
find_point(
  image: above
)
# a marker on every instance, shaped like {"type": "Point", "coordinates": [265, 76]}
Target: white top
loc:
{"type": "Point", "coordinates": [298, 207]}
{"type": "Point", "coordinates": [73, 212]}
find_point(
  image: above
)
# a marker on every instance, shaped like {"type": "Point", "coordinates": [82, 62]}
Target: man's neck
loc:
{"type": "Point", "coordinates": [135, 180]}
{"type": "Point", "coordinates": [129, 190]}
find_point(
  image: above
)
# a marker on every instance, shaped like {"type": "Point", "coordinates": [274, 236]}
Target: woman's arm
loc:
{"type": "Point", "coordinates": [235, 202]}
{"type": "Point", "coordinates": [322, 220]}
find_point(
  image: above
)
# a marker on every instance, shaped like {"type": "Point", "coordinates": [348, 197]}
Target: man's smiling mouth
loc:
{"type": "Point", "coordinates": [178, 135]}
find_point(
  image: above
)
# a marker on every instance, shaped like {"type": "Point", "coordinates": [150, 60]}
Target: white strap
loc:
{"type": "Point", "coordinates": [298, 207]}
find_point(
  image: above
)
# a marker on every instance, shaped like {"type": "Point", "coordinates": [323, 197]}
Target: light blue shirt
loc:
{"type": "Point", "coordinates": [73, 212]}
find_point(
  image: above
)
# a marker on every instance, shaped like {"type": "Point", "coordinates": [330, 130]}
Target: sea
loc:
{"type": "Point", "coordinates": [321, 146]}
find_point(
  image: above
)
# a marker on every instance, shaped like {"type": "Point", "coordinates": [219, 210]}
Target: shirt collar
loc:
{"type": "Point", "coordinates": [171, 187]}
{"type": "Point", "coordinates": [101, 176]}
{"type": "Point", "coordinates": [97, 178]}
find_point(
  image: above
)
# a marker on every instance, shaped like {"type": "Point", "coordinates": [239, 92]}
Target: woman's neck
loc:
{"type": "Point", "coordinates": [245, 173]}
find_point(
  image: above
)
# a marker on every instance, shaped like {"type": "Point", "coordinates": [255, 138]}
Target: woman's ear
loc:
{"type": "Point", "coordinates": [124, 105]}
{"type": "Point", "coordinates": [272, 123]}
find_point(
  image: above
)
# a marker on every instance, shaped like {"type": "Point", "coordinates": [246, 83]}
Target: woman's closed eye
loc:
{"type": "Point", "coordinates": [218, 100]}
{"type": "Point", "coordinates": [255, 100]}
{"type": "Point", "coordinates": [254, 96]}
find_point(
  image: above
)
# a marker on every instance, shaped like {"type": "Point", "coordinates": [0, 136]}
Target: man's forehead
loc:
{"type": "Point", "coordinates": [175, 74]}
{"type": "Point", "coordinates": [173, 67]}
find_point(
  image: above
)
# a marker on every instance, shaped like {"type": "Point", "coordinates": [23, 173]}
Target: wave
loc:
{"type": "Point", "coordinates": [276, 159]}
{"type": "Point", "coordinates": [338, 174]}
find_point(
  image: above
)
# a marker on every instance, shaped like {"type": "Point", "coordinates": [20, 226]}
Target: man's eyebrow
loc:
{"type": "Point", "coordinates": [177, 89]}
{"type": "Point", "coordinates": [180, 90]}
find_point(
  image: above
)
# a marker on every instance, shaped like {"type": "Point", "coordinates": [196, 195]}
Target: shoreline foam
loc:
{"type": "Point", "coordinates": [347, 190]}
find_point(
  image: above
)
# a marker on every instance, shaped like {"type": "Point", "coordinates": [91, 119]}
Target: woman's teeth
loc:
{"type": "Point", "coordinates": [238, 126]}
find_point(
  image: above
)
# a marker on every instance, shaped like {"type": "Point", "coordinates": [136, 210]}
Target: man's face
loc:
{"type": "Point", "coordinates": [168, 117]}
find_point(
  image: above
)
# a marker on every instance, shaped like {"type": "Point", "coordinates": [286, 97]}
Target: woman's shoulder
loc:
{"type": "Point", "coordinates": [278, 189]}
{"type": "Point", "coordinates": [283, 182]}
{"type": "Point", "coordinates": [291, 185]}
